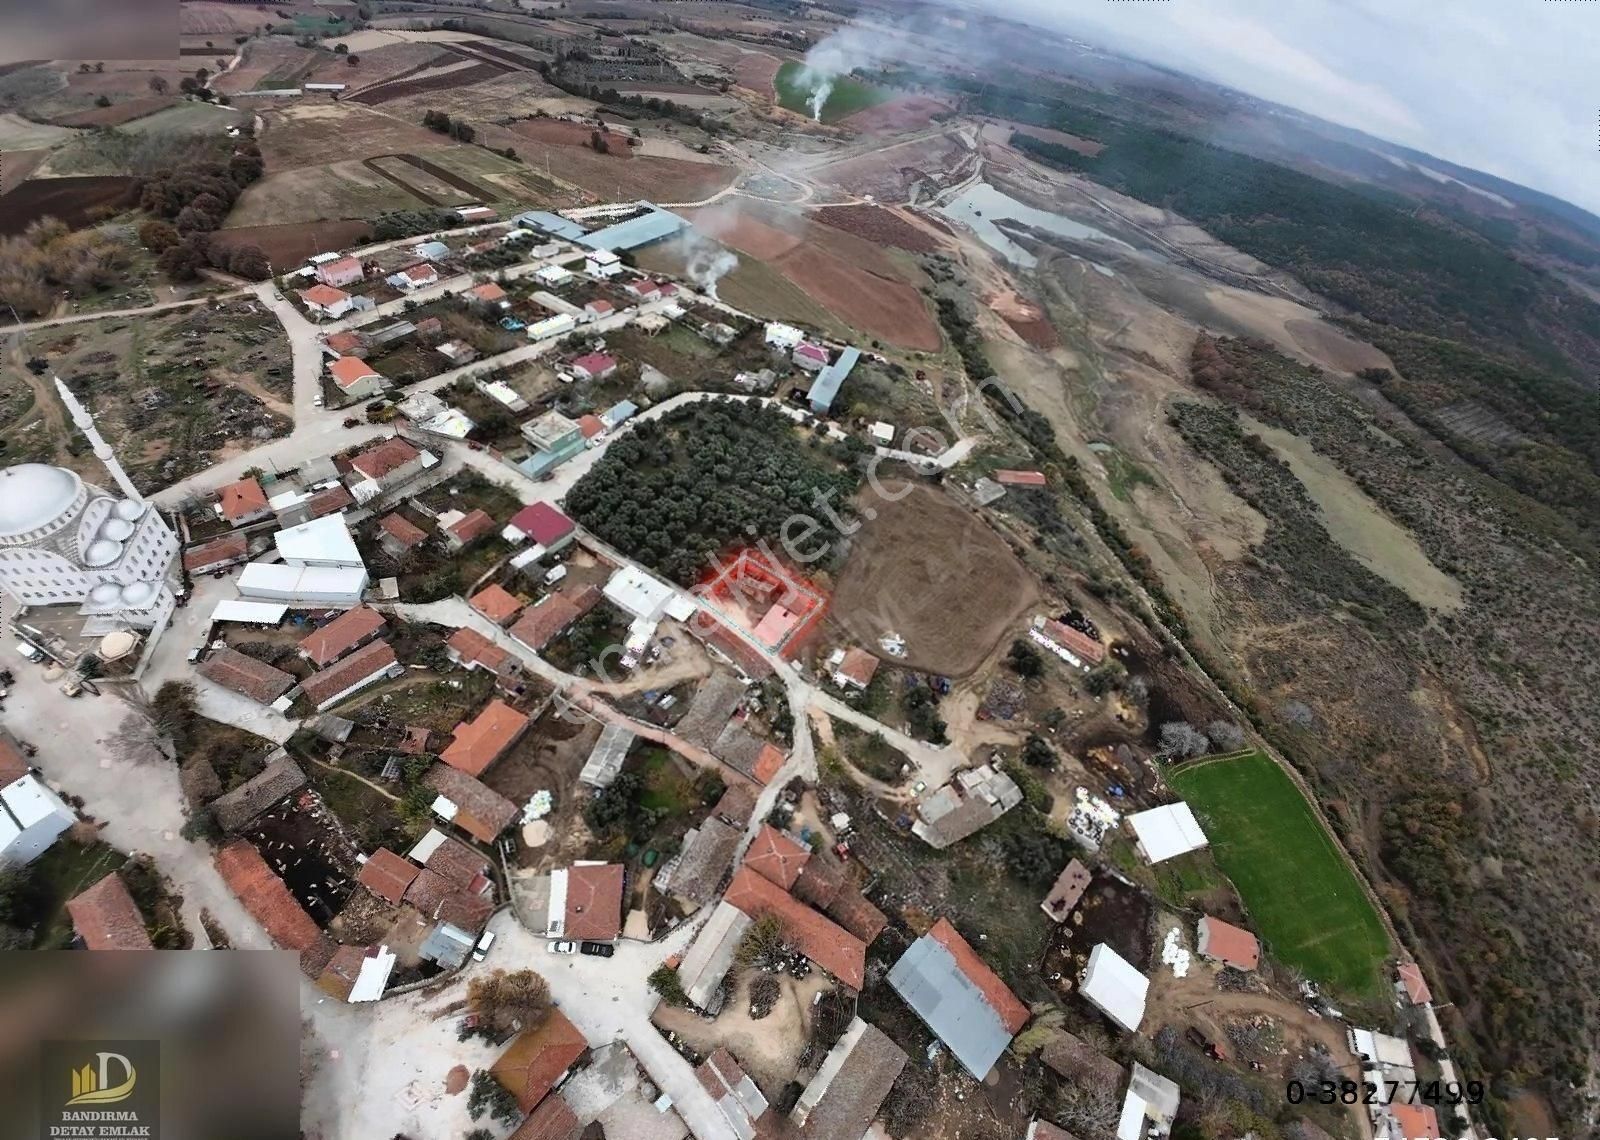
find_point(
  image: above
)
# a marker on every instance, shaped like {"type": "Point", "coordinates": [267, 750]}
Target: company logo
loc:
{"type": "Point", "coordinates": [100, 1090]}
{"type": "Point", "coordinates": [109, 1083]}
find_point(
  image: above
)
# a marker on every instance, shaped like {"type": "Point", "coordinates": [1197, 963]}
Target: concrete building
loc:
{"type": "Point", "coordinates": [355, 378]}
{"type": "Point", "coordinates": [307, 586]}
{"type": "Point", "coordinates": [67, 542]}
{"type": "Point", "coordinates": [243, 502]}
{"type": "Point", "coordinates": [555, 439]}
{"type": "Point", "coordinates": [971, 801]}
{"type": "Point", "coordinates": [543, 525]}
{"type": "Point", "coordinates": [337, 274]}
{"type": "Point", "coordinates": [502, 394]}
{"type": "Point", "coordinates": [327, 302]}
{"type": "Point", "coordinates": [593, 366]}
{"type": "Point", "coordinates": [366, 666]}
{"type": "Point", "coordinates": [736, 1096]}
{"type": "Point", "coordinates": [1149, 1106]}
{"type": "Point", "coordinates": [841, 1101]}
{"type": "Point", "coordinates": [558, 325]}
{"type": "Point", "coordinates": [602, 263]}
{"type": "Point", "coordinates": [413, 277]}
{"type": "Point", "coordinates": [321, 542]}
{"type": "Point", "coordinates": [385, 465]}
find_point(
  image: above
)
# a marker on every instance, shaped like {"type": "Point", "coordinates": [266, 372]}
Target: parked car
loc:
{"type": "Point", "coordinates": [482, 948]}
{"type": "Point", "coordinates": [598, 949]}
{"type": "Point", "coordinates": [562, 947]}
{"type": "Point", "coordinates": [555, 575]}
{"type": "Point", "coordinates": [29, 650]}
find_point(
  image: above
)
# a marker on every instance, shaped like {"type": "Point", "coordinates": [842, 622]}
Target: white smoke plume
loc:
{"type": "Point", "coordinates": [838, 55]}
{"type": "Point", "coordinates": [710, 263]}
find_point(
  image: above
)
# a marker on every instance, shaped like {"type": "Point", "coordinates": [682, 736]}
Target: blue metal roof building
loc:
{"type": "Point", "coordinates": [618, 412]}
{"type": "Point", "coordinates": [636, 232]}
{"type": "Point", "coordinates": [826, 386]}
{"type": "Point", "coordinates": [553, 224]}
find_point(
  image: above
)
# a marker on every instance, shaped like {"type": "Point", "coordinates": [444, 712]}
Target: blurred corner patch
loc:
{"type": "Point", "coordinates": [88, 30]}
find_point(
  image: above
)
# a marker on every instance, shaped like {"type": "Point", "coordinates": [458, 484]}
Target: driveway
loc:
{"type": "Point", "coordinates": [102, 750]}
{"type": "Point", "coordinates": [380, 1071]}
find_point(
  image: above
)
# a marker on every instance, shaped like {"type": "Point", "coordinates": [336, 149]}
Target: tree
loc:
{"type": "Point", "coordinates": [188, 85]}
{"type": "Point", "coordinates": [489, 1095]}
{"type": "Point", "coordinates": [341, 49]}
{"type": "Point", "coordinates": [353, 60]}
{"type": "Point", "coordinates": [173, 709]}
{"type": "Point", "coordinates": [202, 74]}
{"type": "Point", "coordinates": [665, 981]}
{"type": "Point", "coordinates": [159, 85]}
{"type": "Point", "coordinates": [1183, 740]}
{"type": "Point", "coordinates": [102, 100]}
{"type": "Point", "coordinates": [763, 945]}
{"type": "Point", "coordinates": [1100, 680]}
{"type": "Point", "coordinates": [1024, 659]}
{"type": "Point", "coordinates": [1037, 752]}
{"type": "Point", "coordinates": [509, 1002]}
{"type": "Point", "coordinates": [1225, 735]}
{"type": "Point", "coordinates": [598, 142]}
{"type": "Point", "coordinates": [462, 132]}
{"type": "Point", "coordinates": [249, 261]}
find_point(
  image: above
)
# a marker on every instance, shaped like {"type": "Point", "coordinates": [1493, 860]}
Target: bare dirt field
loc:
{"type": "Point", "coordinates": [287, 245]}
{"type": "Point", "coordinates": [879, 226]}
{"type": "Point", "coordinates": [308, 134]}
{"type": "Point", "coordinates": [911, 113]}
{"type": "Point", "coordinates": [504, 95]}
{"type": "Point", "coordinates": [319, 193]}
{"type": "Point", "coordinates": [560, 132]}
{"type": "Point", "coordinates": [117, 113]}
{"type": "Point", "coordinates": [1026, 318]}
{"type": "Point", "coordinates": [610, 177]}
{"type": "Point", "coordinates": [850, 277]}
{"type": "Point", "coordinates": [17, 133]}
{"type": "Point", "coordinates": [272, 62]}
{"type": "Point", "coordinates": [203, 18]}
{"type": "Point", "coordinates": [373, 66]}
{"type": "Point", "coordinates": [462, 73]}
{"type": "Point", "coordinates": [769, 1049]}
{"type": "Point", "coordinates": [70, 199]}
{"type": "Point", "coordinates": [936, 574]}
{"type": "Point", "coordinates": [755, 72]}
{"type": "Point", "coordinates": [19, 164]}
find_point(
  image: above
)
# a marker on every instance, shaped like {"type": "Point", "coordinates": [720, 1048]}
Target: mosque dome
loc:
{"type": "Point", "coordinates": [102, 552]}
{"type": "Point", "coordinates": [129, 511]}
{"type": "Point", "coordinates": [33, 495]}
{"type": "Point", "coordinates": [104, 593]}
{"type": "Point", "coordinates": [117, 530]}
{"type": "Point", "coordinates": [138, 595]}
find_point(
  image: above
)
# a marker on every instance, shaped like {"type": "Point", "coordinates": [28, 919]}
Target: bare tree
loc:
{"type": "Point", "coordinates": [509, 1002]}
{"type": "Point", "coordinates": [1227, 736]}
{"type": "Point", "coordinates": [1183, 739]}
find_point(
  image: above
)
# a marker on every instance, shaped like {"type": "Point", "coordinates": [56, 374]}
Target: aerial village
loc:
{"type": "Point", "coordinates": [890, 844]}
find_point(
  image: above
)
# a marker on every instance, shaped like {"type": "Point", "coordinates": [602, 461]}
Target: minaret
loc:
{"type": "Point", "coordinates": [102, 449]}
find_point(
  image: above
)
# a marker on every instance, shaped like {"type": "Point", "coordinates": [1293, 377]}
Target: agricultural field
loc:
{"type": "Point", "coordinates": [173, 392]}
{"type": "Point", "coordinates": [310, 134]}
{"type": "Point", "coordinates": [848, 95]}
{"type": "Point", "coordinates": [319, 193]}
{"type": "Point", "coordinates": [204, 18]}
{"type": "Point", "coordinates": [271, 62]}
{"type": "Point", "coordinates": [75, 201]}
{"type": "Point", "coordinates": [191, 117]}
{"type": "Point", "coordinates": [902, 113]}
{"type": "Point", "coordinates": [17, 133]}
{"type": "Point", "coordinates": [863, 285]}
{"type": "Point", "coordinates": [616, 175]}
{"type": "Point", "coordinates": [934, 573]}
{"type": "Point", "coordinates": [118, 113]}
{"type": "Point", "coordinates": [1301, 894]}
{"type": "Point", "coordinates": [288, 245]}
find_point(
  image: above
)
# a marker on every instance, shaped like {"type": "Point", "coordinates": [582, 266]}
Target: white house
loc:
{"type": "Point", "coordinates": [305, 586]}
{"type": "Point", "coordinates": [1148, 1108]}
{"type": "Point", "coordinates": [557, 325]}
{"type": "Point", "coordinates": [602, 263]}
{"type": "Point", "coordinates": [784, 338]}
{"type": "Point", "coordinates": [414, 277]}
{"type": "Point", "coordinates": [326, 301]}
{"type": "Point", "coordinates": [552, 275]}
{"type": "Point", "coordinates": [32, 817]}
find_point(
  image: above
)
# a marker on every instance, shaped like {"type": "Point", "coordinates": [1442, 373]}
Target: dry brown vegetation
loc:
{"type": "Point", "coordinates": [48, 258]}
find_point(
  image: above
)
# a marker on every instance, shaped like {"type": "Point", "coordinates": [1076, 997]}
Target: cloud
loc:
{"type": "Point", "coordinates": [1503, 88]}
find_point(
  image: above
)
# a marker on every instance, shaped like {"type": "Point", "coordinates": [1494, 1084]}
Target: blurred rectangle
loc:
{"type": "Point", "coordinates": [88, 30]}
{"type": "Point", "coordinates": [227, 1024]}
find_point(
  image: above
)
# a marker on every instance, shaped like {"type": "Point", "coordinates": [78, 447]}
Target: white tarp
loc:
{"type": "Point", "coordinates": [1114, 987]}
{"type": "Point", "coordinates": [250, 613]}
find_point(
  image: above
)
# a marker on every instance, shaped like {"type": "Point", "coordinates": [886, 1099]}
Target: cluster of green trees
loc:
{"type": "Point", "coordinates": [188, 202]}
{"type": "Point", "coordinates": [707, 477]}
{"type": "Point", "coordinates": [397, 224]}
{"type": "Point", "coordinates": [457, 129]}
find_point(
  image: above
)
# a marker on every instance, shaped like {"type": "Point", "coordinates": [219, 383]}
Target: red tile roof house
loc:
{"type": "Point", "coordinates": [552, 1120]}
{"type": "Point", "coordinates": [106, 917]}
{"type": "Point", "coordinates": [471, 527]}
{"type": "Point", "coordinates": [1412, 983]}
{"type": "Point", "coordinates": [542, 622]}
{"type": "Point", "coordinates": [388, 875]}
{"type": "Point", "coordinates": [414, 277]}
{"type": "Point", "coordinates": [825, 942]}
{"type": "Point", "coordinates": [483, 740]}
{"type": "Point", "coordinates": [217, 554]}
{"type": "Point", "coordinates": [1020, 478]}
{"type": "Point", "coordinates": [242, 502]}
{"type": "Point", "coordinates": [489, 293]}
{"type": "Point", "coordinates": [590, 899]}
{"type": "Point", "coordinates": [479, 810]}
{"type": "Point", "coordinates": [496, 603]}
{"type": "Point", "coordinates": [856, 670]}
{"type": "Point", "coordinates": [542, 524]}
{"type": "Point", "coordinates": [384, 466]}
{"type": "Point", "coordinates": [246, 676]}
{"type": "Point", "coordinates": [777, 857]}
{"type": "Point", "coordinates": [347, 342]}
{"type": "Point", "coordinates": [1228, 944]}
{"type": "Point", "coordinates": [471, 650]}
{"type": "Point", "coordinates": [271, 904]}
{"type": "Point", "coordinates": [329, 500]}
{"type": "Point", "coordinates": [326, 301]}
{"type": "Point", "coordinates": [365, 666]}
{"type": "Point", "coordinates": [355, 377]}
{"type": "Point", "coordinates": [741, 1103]}
{"type": "Point", "coordinates": [811, 357]}
{"type": "Point", "coordinates": [644, 289]}
{"type": "Point", "coordinates": [345, 271]}
{"type": "Point", "coordinates": [600, 307]}
{"type": "Point", "coordinates": [539, 1059]}
{"type": "Point", "coordinates": [350, 630]}
{"type": "Point", "coordinates": [1057, 636]}
{"type": "Point", "coordinates": [591, 426]}
{"type": "Point", "coordinates": [398, 535]}
{"type": "Point", "coordinates": [593, 366]}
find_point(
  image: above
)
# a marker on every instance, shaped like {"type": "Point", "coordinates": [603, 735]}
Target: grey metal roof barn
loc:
{"type": "Point", "coordinates": [606, 760]}
{"type": "Point", "coordinates": [826, 386]}
{"type": "Point", "coordinates": [933, 983]}
{"type": "Point", "coordinates": [553, 224]}
{"type": "Point", "coordinates": [636, 232]}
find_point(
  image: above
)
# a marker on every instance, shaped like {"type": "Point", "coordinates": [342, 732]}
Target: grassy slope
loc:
{"type": "Point", "coordinates": [1302, 895]}
{"type": "Point", "coordinates": [849, 95]}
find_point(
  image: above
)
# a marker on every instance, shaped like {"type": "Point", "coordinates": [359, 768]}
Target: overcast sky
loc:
{"type": "Point", "coordinates": [1505, 86]}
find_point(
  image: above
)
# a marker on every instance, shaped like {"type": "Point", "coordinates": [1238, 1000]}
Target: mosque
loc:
{"type": "Point", "coordinates": [66, 542]}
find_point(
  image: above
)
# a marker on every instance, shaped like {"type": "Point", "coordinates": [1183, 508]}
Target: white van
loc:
{"type": "Point", "coordinates": [482, 948]}
{"type": "Point", "coordinates": [30, 651]}
{"type": "Point", "coordinates": [555, 575]}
